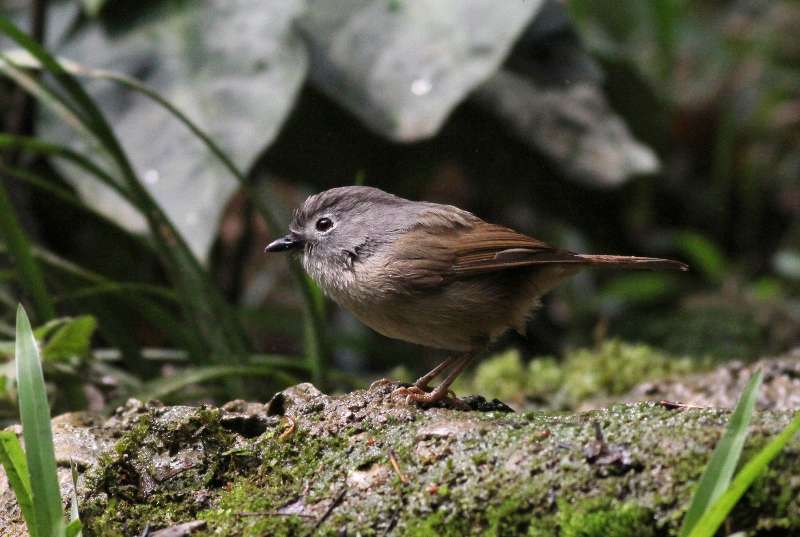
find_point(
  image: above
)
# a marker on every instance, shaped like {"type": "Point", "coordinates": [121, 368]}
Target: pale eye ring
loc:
{"type": "Point", "coordinates": [324, 224]}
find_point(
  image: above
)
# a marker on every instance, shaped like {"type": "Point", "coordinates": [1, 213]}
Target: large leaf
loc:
{"type": "Point", "coordinates": [234, 67]}
{"type": "Point", "coordinates": [402, 67]}
{"type": "Point", "coordinates": [210, 315]}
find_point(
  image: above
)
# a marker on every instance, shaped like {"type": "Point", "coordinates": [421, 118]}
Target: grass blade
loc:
{"type": "Point", "coordinates": [55, 102]}
{"type": "Point", "coordinates": [66, 196]}
{"type": "Point", "coordinates": [74, 515]}
{"type": "Point", "coordinates": [315, 342]}
{"type": "Point", "coordinates": [713, 518]}
{"type": "Point", "coordinates": [29, 274]}
{"type": "Point", "coordinates": [13, 460]}
{"type": "Point", "coordinates": [719, 471]}
{"type": "Point", "coordinates": [73, 529]}
{"type": "Point", "coordinates": [213, 321]}
{"type": "Point", "coordinates": [11, 141]}
{"type": "Point", "coordinates": [36, 430]}
{"type": "Point", "coordinates": [162, 387]}
{"type": "Point", "coordinates": [704, 254]}
{"type": "Point", "coordinates": [130, 293]}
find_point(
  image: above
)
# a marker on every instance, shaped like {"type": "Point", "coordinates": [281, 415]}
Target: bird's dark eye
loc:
{"type": "Point", "coordinates": [324, 224]}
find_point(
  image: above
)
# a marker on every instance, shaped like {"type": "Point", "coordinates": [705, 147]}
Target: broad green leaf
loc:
{"type": "Point", "coordinates": [36, 430]}
{"type": "Point", "coordinates": [13, 460]}
{"type": "Point", "coordinates": [715, 515]}
{"type": "Point", "coordinates": [71, 339]}
{"type": "Point", "coordinates": [719, 471]}
{"type": "Point", "coordinates": [43, 332]}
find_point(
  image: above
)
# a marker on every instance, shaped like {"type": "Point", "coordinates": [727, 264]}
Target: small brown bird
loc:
{"type": "Point", "coordinates": [431, 274]}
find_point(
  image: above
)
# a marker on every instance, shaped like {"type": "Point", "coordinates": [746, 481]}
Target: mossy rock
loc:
{"type": "Point", "coordinates": [366, 464]}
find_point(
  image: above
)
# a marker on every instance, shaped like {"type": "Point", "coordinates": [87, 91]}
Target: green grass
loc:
{"type": "Point", "coordinates": [719, 471]}
{"type": "Point", "coordinates": [213, 334]}
{"type": "Point", "coordinates": [30, 275]}
{"type": "Point", "coordinates": [33, 477]}
{"type": "Point", "coordinates": [716, 495]}
{"type": "Point", "coordinates": [212, 319]}
{"type": "Point", "coordinates": [715, 514]}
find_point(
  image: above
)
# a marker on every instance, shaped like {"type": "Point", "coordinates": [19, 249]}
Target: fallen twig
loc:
{"type": "Point", "coordinates": [396, 466]}
{"type": "Point", "coordinates": [289, 430]}
{"type": "Point", "coordinates": [272, 513]}
{"type": "Point", "coordinates": [336, 501]}
{"type": "Point", "coordinates": [672, 405]}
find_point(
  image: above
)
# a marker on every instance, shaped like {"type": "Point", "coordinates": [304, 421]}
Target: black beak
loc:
{"type": "Point", "coordinates": [289, 242]}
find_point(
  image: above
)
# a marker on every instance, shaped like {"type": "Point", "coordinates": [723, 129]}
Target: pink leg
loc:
{"type": "Point", "coordinates": [441, 391]}
{"type": "Point", "coordinates": [422, 382]}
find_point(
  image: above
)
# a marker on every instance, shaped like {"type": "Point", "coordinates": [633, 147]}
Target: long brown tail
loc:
{"type": "Point", "coordinates": [636, 263]}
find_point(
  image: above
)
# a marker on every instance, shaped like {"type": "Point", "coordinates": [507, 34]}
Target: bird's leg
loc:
{"type": "Point", "coordinates": [422, 382]}
{"type": "Point", "coordinates": [415, 394]}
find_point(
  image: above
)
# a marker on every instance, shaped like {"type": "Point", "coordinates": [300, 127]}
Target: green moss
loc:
{"type": "Point", "coordinates": [611, 369]}
{"type": "Point", "coordinates": [136, 491]}
{"type": "Point", "coordinates": [616, 367]}
{"type": "Point", "coordinates": [134, 437]}
{"type": "Point", "coordinates": [121, 518]}
{"type": "Point", "coordinates": [246, 508]}
{"type": "Point", "coordinates": [437, 524]}
{"type": "Point", "coordinates": [512, 517]}
{"type": "Point", "coordinates": [502, 376]}
{"type": "Point", "coordinates": [284, 474]}
{"type": "Point", "coordinates": [606, 519]}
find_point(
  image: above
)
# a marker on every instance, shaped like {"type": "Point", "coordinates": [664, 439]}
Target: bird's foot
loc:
{"type": "Point", "coordinates": [411, 393]}
{"type": "Point", "coordinates": [415, 394]}
{"type": "Point", "coordinates": [381, 383]}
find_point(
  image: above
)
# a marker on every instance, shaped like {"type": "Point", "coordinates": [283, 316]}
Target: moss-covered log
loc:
{"type": "Point", "coordinates": [364, 464]}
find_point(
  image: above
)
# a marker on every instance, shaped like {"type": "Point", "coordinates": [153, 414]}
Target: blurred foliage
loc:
{"type": "Point", "coordinates": [65, 352]}
{"type": "Point", "coordinates": [713, 87]}
{"type": "Point", "coordinates": [611, 369]}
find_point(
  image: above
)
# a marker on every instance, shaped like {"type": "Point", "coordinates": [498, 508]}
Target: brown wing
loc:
{"type": "Point", "coordinates": [440, 254]}
{"type": "Point", "coordinates": [488, 247]}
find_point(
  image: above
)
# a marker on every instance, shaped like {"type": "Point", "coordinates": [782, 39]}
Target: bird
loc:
{"type": "Point", "coordinates": [431, 274]}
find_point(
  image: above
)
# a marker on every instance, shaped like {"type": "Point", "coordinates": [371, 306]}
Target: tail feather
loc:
{"type": "Point", "coordinates": [636, 263]}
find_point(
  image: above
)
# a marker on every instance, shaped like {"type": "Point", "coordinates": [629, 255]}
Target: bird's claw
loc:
{"type": "Point", "coordinates": [380, 383]}
{"type": "Point", "coordinates": [415, 394]}
{"type": "Point", "coordinates": [412, 394]}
